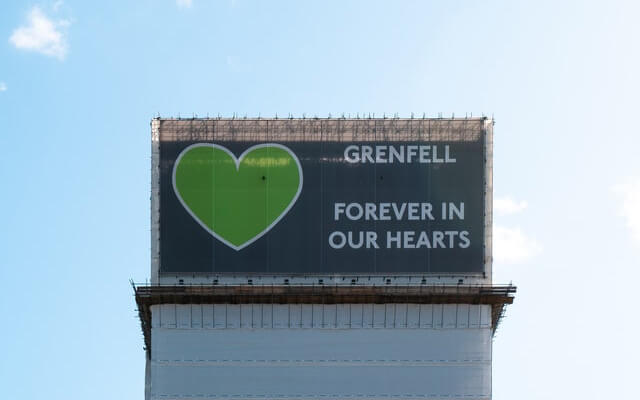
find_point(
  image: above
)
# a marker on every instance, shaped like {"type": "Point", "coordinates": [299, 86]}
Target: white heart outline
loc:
{"type": "Point", "coordinates": [237, 160]}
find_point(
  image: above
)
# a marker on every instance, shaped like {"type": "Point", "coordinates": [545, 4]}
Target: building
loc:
{"type": "Point", "coordinates": [321, 258]}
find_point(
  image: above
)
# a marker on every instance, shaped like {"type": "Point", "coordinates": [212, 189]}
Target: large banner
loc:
{"type": "Point", "coordinates": [321, 205]}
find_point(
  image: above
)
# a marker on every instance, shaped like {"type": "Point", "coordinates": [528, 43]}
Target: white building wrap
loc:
{"type": "Point", "coordinates": [332, 351]}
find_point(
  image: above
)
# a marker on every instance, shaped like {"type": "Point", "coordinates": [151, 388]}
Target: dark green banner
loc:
{"type": "Point", "coordinates": [322, 207]}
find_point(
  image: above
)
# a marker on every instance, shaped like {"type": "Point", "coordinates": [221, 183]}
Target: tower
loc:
{"type": "Point", "coordinates": [321, 258]}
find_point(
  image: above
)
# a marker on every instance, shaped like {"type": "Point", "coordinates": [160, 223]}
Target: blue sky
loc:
{"type": "Point", "coordinates": [80, 81]}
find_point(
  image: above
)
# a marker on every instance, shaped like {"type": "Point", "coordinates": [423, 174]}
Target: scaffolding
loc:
{"type": "Point", "coordinates": [328, 130]}
{"type": "Point", "coordinates": [323, 129]}
{"type": "Point", "coordinates": [497, 296]}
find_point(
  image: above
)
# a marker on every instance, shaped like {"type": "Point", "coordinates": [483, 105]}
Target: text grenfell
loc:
{"type": "Point", "coordinates": [386, 154]}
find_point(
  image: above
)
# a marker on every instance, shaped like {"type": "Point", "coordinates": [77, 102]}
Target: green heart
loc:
{"type": "Point", "coordinates": [237, 200]}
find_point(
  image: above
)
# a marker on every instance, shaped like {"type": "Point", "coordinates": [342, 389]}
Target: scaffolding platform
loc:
{"type": "Point", "coordinates": [497, 296]}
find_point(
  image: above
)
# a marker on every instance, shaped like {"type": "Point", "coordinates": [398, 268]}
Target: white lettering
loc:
{"type": "Point", "coordinates": [464, 240]}
{"type": "Point", "coordinates": [423, 240]}
{"type": "Point", "coordinates": [435, 156]}
{"type": "Point", "coordinates": [370, 211]}
{"type": "Point", "coordinates": [353, 244]}
{"type": "Point", "coordinates": [399, 212]}
{"type": "Point", "coordinates": [393, 211]}
{"type": "Point", "coordinates": [384, 212]}
{"type": "Point", "coordinates": [351, 154]}
{"type": "Point", "coordinates": [366, 154]}
{"type": "Point", "coordinates": [424, 154]}
{"type": "Point", "coordinates": [351, 215]}
{"type": "Point", "coordinates": [381, 154]}
{"type": "Point", "coordinates": [393, 237]}
{"type": "Point", "coordinates": [399, 154]}
{"type": "Point", "coordinates": [411, 152]}
{"type": "Point", "coordinates": [426, 211]}
{"type": "Point", "coordinates": [372, 240]}
{"type": "Point", "coordinates": [413, 212]}
{"type": "Point", "coordinates": [408, 240]}
{"type": "Point", "coordinates": [447, 158]}
{"type": "Point", "coordinates": [341, 237]}
{"type": "Point", "coordinates": [459, 212]}
{"type": "Point", "coordinates": [451, 235]}
{"type": "Point", "coordinates": [438, 237]}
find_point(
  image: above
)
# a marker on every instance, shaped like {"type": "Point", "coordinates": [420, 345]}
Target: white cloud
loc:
{"type": "Point", "coordinates": [507, 205]}
{"type": "Point", "coordinates": [184, 3]}
{"type": "Point", "coordinates": [42, 35]}
{"type": "Point", "coordinates": [629, 207]}
{"type": "Point", "coordinates": [512, 246]}
{"type": "Point", "coordinates": [3, 87]}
